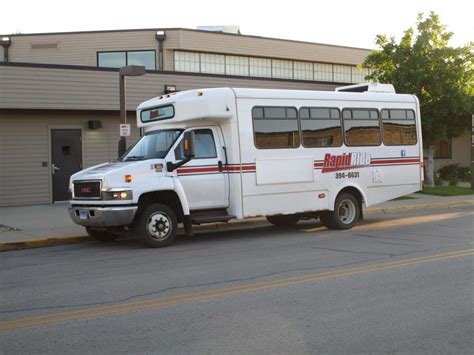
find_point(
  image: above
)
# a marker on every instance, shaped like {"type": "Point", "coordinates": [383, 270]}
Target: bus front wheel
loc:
{"type": "Point", "coordinates": [156, 225]}
{"type": "Point", "coordinates": [347, 211]}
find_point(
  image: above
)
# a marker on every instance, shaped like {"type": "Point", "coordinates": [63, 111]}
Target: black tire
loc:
{"type": "Point", "coordinates": [347, 211]}
{"type": "Point", "coordinates": [283, 220]}
{"type": "Point", "coordinates": [101, 235]}
{"type": "Point", "coordinates": [156, 226]}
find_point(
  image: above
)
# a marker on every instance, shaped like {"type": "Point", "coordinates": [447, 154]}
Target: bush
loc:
{"type": "Point", "coordinates": [454, 173]}
{"type": "Point", "coordinates": [464, 173]}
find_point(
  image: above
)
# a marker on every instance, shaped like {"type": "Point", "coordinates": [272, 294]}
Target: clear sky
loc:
{"type": "Point", "coordinates": [342, 22]}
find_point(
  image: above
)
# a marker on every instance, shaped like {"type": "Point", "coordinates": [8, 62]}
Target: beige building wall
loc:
{"type": "Point", "coordinates": [76, 48]}
{"type": "Point", "coordinates": [266, 47]}
{"type": "Point", "coordinates": [25, 145]}
{"type": "Point", "coordinates": [461, 152]}
{"type": "Point", "coordinates": [81, 48]}
{"type": "Point", "coordinates": [72, 89]}
{"type": "Point", "coordinates": [35, 99]}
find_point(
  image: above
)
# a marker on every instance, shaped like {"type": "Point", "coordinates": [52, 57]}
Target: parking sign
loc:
{"type": "Point", "coordinates": [124, 130]}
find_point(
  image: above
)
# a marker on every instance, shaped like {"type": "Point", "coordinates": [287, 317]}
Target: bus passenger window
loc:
{"type": "Point", "coordinates": [361, 127]}
{"type": "Point", "coordinates": [399, 127]}
{"type": "Point", "coordinates": [320, 127]}
{"type": "Point", "coordinates": [275, 127]}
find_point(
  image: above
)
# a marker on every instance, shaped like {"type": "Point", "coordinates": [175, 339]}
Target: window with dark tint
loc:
{"type": "Point", "coordinates": [361, 127]}
{"type": "Point", "coordinates": [399, 127]}
{"type": "Point", "coordinates": [275, 127]}
{"type": "Point", "coordinates": [123, 58]}
{"type": "Point", "coordinates": [321, 127]}
{"type": "Point", "coordinates": [157, 113]}
{"type": "Point", "coordinates": [204, 145]}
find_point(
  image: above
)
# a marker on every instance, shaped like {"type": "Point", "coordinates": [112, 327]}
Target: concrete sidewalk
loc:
{"type": "Point", "coordinates": [43, 225]}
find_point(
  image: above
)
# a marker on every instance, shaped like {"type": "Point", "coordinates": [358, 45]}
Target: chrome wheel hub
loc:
{"type": "Point", "coordinates": [347, 211]}
{"type": "Point", "coordinates": [159, 225]}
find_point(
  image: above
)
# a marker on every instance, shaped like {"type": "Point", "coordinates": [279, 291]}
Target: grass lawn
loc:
{"type": "Point", "coordinates": [447, 191]}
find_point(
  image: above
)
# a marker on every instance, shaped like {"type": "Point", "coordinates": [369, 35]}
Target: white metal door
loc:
{"type": "Point", "coordinates": [204, 178]}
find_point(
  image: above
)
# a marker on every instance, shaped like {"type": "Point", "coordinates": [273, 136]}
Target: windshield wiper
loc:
{"type": "Point", "coordinates": [134, 157]}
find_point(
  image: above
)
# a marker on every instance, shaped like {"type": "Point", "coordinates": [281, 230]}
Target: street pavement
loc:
{"type": "Point", "coordinates": [396, 283]}
{"type": "Point", "coordinates": [34, 225]}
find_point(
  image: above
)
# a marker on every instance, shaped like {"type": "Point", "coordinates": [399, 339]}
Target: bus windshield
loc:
{"type": "Point", "coordinates": [154, 145]}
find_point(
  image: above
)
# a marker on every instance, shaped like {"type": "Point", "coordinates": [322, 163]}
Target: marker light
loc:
{"type": "Point", "coordinates": [128, 178]}
{"type": "Point", "coordinates": [322, 195]}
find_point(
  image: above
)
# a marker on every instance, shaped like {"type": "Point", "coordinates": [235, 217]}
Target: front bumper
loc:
{"type": "Point", "coordinates": [112, 216]}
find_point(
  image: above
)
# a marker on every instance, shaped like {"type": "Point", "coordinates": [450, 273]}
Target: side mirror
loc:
{"type": "Point", "coordinates": [188, 145]}
{"type": "Point", "coordinates": [188, 151]}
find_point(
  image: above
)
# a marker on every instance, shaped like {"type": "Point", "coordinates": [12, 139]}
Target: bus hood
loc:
{"type": "Point", "coordinates": [112, 174]}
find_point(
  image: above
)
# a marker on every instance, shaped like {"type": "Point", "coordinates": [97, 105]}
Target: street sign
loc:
{"type": "Point", "coordinates": [124, 130]}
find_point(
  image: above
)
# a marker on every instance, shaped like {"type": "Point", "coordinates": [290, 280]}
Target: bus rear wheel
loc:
{"type": "Point", "coordinates": [347, 211]}
{"type": "Point", "coordinates": [283, 220]}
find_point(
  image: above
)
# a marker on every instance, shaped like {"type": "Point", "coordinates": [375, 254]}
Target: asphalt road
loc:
{"type": "Point", "coordinates": [396, 283]}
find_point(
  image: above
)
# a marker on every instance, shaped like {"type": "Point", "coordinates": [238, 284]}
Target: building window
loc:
{"type": "Point", "coordinates": [303, 70]}
{"type": "Point", "coordinates": [361, 127]}
{"type": "Point", "coordinates": [122, 58]}
{"type": "Point", "coordinates": [342, 73]}
{"type": "Point", "coordinates": [186, 61]}
{"type": "Point", "coordinates": [260, 67]}
{"type": "Point", "coordinates": [323, 72]}
{"type": "Point", "coordinates": [275, 127]}
{"type": "Point", "coordinates": [212, 63]}
{"type": "Point", "coordinates": [112, 59]}
{"type": "Point", "coordinates": [282, 69]}
{"type": "Point", "coordinates": [359, 74]}
{"type": "Point", "coordinates": [443, 149]}
{"type": "Point", "coordinates": [320, 127]}
{"type": "Point", "coordinates": [236, 65]}
{"type": "Point", "coordinates": [145, 58]}
{"type": "Point", "coordinates": [399, 127]}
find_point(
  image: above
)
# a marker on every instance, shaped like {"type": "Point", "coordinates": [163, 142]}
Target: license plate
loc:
{"type": "Point", "coordinates": [83, 214]}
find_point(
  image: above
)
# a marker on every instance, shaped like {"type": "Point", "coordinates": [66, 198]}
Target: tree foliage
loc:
{"type": "Point", "coordinates": [423, 63]}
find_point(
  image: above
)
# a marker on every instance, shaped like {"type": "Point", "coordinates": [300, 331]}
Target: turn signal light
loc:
{"type": "Point", "coordinates": [322, 195]}
{"type": "Point", "coordinates": [128, 178]}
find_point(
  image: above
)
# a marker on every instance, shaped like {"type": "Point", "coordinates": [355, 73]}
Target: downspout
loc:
{"type": "Point", "coordinates": [160, 37]}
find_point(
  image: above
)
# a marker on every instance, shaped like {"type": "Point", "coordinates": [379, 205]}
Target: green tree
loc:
{"type": "Point", "coordinates": [439, 75]}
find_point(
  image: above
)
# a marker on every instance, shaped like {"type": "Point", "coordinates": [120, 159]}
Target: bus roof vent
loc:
{"type": "Point", "coordinates": [368, 87]}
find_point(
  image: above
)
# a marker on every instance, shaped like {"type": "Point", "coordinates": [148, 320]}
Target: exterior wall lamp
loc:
{"type": "Point", "coordinates": [170, 88]}
{"type": "Point", "coordinates": [5, 42]}
{"type": "Point", "coordinates": [160, 37]}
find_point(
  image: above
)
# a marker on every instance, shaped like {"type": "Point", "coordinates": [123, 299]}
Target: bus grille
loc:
{"type": "Point", "coordinates": [87, 189]}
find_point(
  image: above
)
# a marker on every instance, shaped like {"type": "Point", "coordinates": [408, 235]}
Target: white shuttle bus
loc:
{"type": "Point", "coordinates": [213, 155]}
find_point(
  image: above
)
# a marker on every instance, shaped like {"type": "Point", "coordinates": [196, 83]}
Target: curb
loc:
{"type": "Point", "coordinates": [214, 227]}
{"type": "Point", "coordinates": [431, 206]}
{"type": "Point", "coordinates": [41, 243]}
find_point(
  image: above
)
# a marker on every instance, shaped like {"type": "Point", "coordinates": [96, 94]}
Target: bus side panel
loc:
{"type": "Point", "coordinates": [275, 181]}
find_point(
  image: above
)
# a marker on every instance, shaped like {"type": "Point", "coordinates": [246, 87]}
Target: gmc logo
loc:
{"type": "Point", "coordinates": [86, 190]}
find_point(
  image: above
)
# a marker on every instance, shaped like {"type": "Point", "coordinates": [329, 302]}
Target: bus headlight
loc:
{"type": "Point", "coordinates": [116, 194]}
